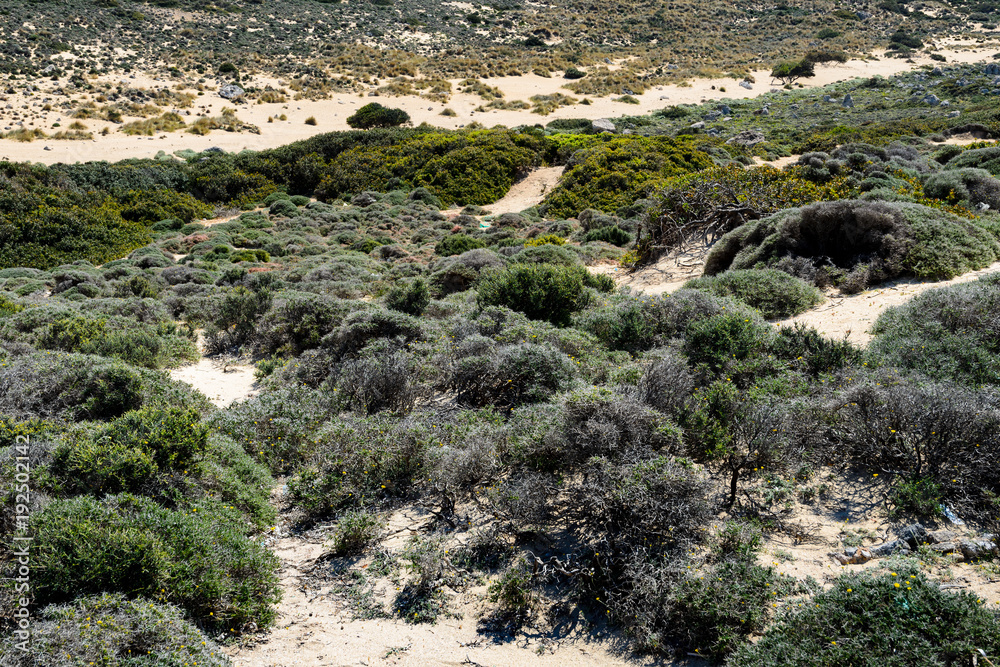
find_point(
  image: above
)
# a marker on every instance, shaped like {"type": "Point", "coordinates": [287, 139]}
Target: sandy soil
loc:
{"type": "Point", "coordinates": [840, 316]}
{"type": "Point", "coordinates": [331, 114]}
{"type": "Point", "coordinates": [223, 381]}
{"type": "Point", "coordinates": [527, 192]}
{"type": "Point", "coordinates": [851, 317]}
{"type": "Point", "coordinates": [314, 628]}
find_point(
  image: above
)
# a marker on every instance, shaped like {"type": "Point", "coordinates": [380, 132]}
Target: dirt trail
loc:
{"type": "Point", "coordinates": [528, 192]}
{"type": "Point", "coordinates": [313, 628]}
{"type": "Point", "coordinates": [852, 317]}
{"type": "Point", "coordinates": [840, 316]}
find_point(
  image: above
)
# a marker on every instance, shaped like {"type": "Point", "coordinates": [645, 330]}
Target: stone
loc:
{"type": "Point", "coordinates": [746, 84]}
{"type": "Point", "coordinates": [954, 114]}
{"type": "Point", "coordinates": [602, 125]}
{"type": "Point", "coordinates": [944, 547]}
{"type": "Point", "coordinates": [231, 91]}
{"type": "Point", "coordinates": [713, 115]}
{"type": "Point", "coordinates": [931, 99]}
{"type": "Point", "coordinates": [992, 69]}
{"type": "Point", "coordinates": [937, 71]}
{"type": "Point", "coordinates": [700, 125]}
{"type": "Point", "coordinates": [914, 535]}
{"type": "Point", "coordinates": [864, 16]}
{"type": "Point", "coordinates": [942, 536]}
{"type": "Point", "coordinates": [889, 548]}
{"type": "Point", "coordinates": [978, 548]}
{"type": "Point", "coordinates": [747, 138]}
{"type": "Point", "coordinates": [725, 110]}
{"type": "Point", "coordinates": [848, 101]}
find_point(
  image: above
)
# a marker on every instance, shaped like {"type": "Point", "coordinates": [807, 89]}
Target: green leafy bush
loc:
{"type": "Point", "coordinates": [198, 559]}
{"type": "Point", "coordinates": [948, 333]}
{"type": "Point", "coordinates": [612, 234]}
{"type": "Point", "coordinates": [355, 531]}
{"type": "Point", "coordinates": [540, 291]}
{"type": "Point", "coordinates": [775, 294]}
{"type": "Point", "coordinates": [456, 244]}
{"type": "Point", "coordinates": [873, 241]}
{"type": "Point", "coordinates": [898, 617]}
{"type": "Point", "coordinates": [374, 114]}
{"type": "Point", "coordinates": [620, 170]}
{"type": "Point", "coordinates": [409, 298]}
{"type": "Point", "coordinates": [111, 629]}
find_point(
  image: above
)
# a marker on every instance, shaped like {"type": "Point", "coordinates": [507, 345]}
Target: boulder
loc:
{"type": "Point", "coordinates": [914, 535]}
{"type": "Point", "coordinates": [231, 91]}
{"type": "Point", "coordinates": [602, 125]}
{"type": "Point", "coordinates": [747, 138]}
{"type": "Point", "coordinates": [942, 536]}
{"type": "Point", "coordinates": [848, 101]}
{"type": "Point", "coordinates": [889, 548]}
{"type": "Point", "coordinates": [992, 69]}
{"type": "Point", "coordinates": [978, 548]}
{"type": "Point", "coordinates": [746, 84]}
{"type": "Point", "coordinates": [944, 547]}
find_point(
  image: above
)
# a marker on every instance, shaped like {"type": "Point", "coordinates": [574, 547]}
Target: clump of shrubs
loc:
{"type": "Point", "coordinates": [776, 294]}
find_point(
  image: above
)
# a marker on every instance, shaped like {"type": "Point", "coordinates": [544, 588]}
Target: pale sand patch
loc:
{"type": "Point", "coordinates": [314, 629]}
{"type": "Point", "coordinates": [528, 192]}
{"type": "Point", "coordinates": [841, 316]}
{"type": "Point", "coordinates": [221, 382]}
{"type": "Point", "coordinates": [851, 317]}
{"type": "Point", "coordinates": [331, 114]}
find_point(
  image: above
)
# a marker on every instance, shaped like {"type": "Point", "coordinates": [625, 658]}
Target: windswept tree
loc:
{"type": "Point", "coordinates": [375, 115]}
{"type": "Point", "coordinates": [790, 72]}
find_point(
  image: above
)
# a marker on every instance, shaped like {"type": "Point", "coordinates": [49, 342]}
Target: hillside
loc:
{"type": "Point", "coordinates": [708, 382]}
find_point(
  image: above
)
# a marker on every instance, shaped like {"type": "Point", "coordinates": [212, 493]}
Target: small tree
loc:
{"type": "Point", "coordinates": [790, 72]}
{"type": "Point", "coordinates": [375, 115]}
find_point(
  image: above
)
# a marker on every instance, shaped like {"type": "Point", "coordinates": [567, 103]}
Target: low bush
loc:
{"type": "Point", "coordinates": [355, 531]}
{"type": "Point", "coordinates": [948, 333]}
{"type": "Point", "coordinates": [966, 186]}
{"type": "Point", "coordinates": [456, 244]}
{"type": "Point", "coordinates": [111, 629]}
{"type": "Point", "coordinates": [619, 170]}
{"type": "Point", "coordinates": [374, 114]}
{"type": "Point", "coordinates": [540, 291]}
{"type": "Point", "coordinates": [776, 294]}
{"type": "Point", "coordinates": [198, 559]}
{"type": "Point", "coordinates": [507, 375]}
{"type": "Point", "coordinates": [410, 298]}
{"type": "Point", "coordinates": [867, 242]}
{"type": "Point", "coordinates": [898, 617]}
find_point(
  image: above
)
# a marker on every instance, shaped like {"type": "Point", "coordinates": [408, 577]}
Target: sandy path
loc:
{"type": "Point", "coordinates": [840, 316]}
{"type": "Point", "coordinates": [313, 629]}
{"type": "Point", "coordinates": [852, 317]}
{"type": "Point", "coordinates": [331, 114]}
{"type": "Point", "coordinates": [528, 192]}
{"type": "Point", "coordinates": [223, 383]}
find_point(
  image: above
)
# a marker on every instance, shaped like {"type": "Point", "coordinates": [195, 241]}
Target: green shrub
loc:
{"type": "Point", "coordinates": [612, 234]}
{"type": "Point", "coordinates": [818, 354]}
{"type": "Point", "coordinates": [409, 298]}
{"type": "Point", "coordinates": [875, 241]}
{"type": "Point", "coordinates": [966, 186]}
{"type": "Point", "coordinates": [947, 333]}
{"type": "Point", "coordinates": [618, 171]}
{"type": "Point", "coordinates": [355, 531]}
{"type": "Point", "coordinates": [508, 375]}
{"type": "Point", "coordinates": [635, 323]}
{"type": "Point", "coordinates": [900, 617]}
{"type": "Point", "coordinates": [919, 498]}
{"type": "Point", "coordinates": [110, 629]}
{"type": "Point", "coordinates": [716, 340]}
{"type": "Point", "coordinates": [456, 244]}
{"type": "Point", "coordinates": [545, 239]}
{"type": "Point", "coordinates": [540, 291]}
{"type": "Point", "coordinates": [198, 559]}
{"type": "Point", "coordinates": [374, 114]}
{"type": "Point", "coordinates": [978, 158]}
{"type": "Point", "coordinates": [775, 294]}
